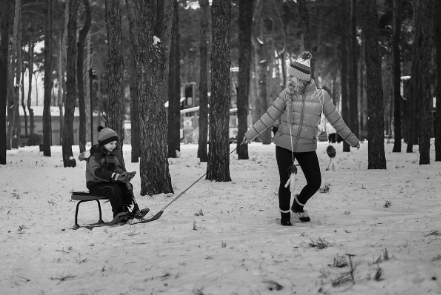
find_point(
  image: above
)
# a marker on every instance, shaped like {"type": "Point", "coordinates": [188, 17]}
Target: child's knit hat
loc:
{"type": "Point", "coordinates": [106, 135]}
{"type": "Point", "coordinates": [301, 68]}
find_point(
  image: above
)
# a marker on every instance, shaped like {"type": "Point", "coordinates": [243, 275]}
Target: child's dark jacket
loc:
{"type": "Point", "coordinates": [101, 165]}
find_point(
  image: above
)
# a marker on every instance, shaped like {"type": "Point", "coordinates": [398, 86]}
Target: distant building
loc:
{"type": "Point", "coordinates": [55, 124]}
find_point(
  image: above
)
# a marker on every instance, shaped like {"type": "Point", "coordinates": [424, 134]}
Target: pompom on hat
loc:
{"type": "Point", "coordinates": [106, 135]}
{"type": "Point", "coordinates": [301, 67]}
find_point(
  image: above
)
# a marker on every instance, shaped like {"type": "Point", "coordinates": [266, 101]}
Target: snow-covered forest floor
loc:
{"type": "Point", "coordinates": [374, 232]}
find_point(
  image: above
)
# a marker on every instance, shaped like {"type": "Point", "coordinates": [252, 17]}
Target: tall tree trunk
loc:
{"type": "Point", "coordinates": [203, 85]}
{"type": "Point", "coordinates": [60, 78]}
{"type": "Point", "coordinates": [150, 23]}
{"type": "Point", "coordinates": [31, 74]}
{"type": "Point", "coordinates": [10, 99]}
{"type": "Point", "coordinates": [391, 109]}
{"type": "Point", "coordinates": [415, 92]}
{"type": "Point", "coordinates": [270, 68]}
{"type": "Point", "coordinates": [80, 76]}
{"type": "Point", "coordinates": [134, 108]}
{"type": "Point", "coordinates": [71, 85]}
{"type": "Point", "coordinates": [23, 105]}
{"type": "Point", "coordinates": [261, 59]}
{"type": "Point", "coordinates": [63, 57]}
{"type": "Point", "coordinates": [364, 100]}
{"type": "Point", "coordinates": [304, 19]}
{"type": "Point", "coordinates": [246, 8]}
{"type": "Point", "coordinates": [18, 82]}
{"type": "Point", "coordinates": [174, 89]}
{"type": "Point", "coordinates": [351, 79]}
{"type": "Point", "coordinates": [353, 74]}
{"type": "Point", "coordinates": [437, 40]}
{"type": "Point", "coordinates": [404, 115]}
{"type": "Point", "coordinates": [360, 93]}
{"type": "Point", "coordinates": [115, 71]}
{"type": "Point", "coordinates": [396, 70]}
{"type": "Point", "coordinates": [47, 128]}
{"type": "Point", "coordinates": [36, 88]}
{"type": "Point", "coordinates": [89, 114]}
{"type": "Point", "coordinates": [11, 76]}
{"type": "Point", "coordinates": [262, 93]}
{"type": "Point", "coordinates": [376, 157]}
{"type": "Point", "coordinates": [134, 112]}
{"type": "Point", "coordinates": [4, 56]}
{"type": "Point", "coordinates": [426, 122]}
{"type": "Point", "coordinates": [281, 55]}
{"type": "Point", "coordinates": [218, 167]}
{"type": "Point", "coordinates": [344, 45]}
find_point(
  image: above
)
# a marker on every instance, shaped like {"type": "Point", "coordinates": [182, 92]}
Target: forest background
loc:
{"type": "Point", "coordinates": [133, 56]}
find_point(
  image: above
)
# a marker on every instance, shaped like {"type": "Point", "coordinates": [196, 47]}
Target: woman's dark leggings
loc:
{"type": "Point", "coordinates": [309, 163]}
{"type": "Point", "coordinates": [118, 194]}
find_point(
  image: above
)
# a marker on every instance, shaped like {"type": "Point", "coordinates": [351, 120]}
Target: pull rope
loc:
{"type": "Point", "coordinates": [183, 192]}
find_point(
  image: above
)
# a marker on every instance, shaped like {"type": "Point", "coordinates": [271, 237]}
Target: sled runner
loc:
{"type": "Point", "coordinates": [119, 218]}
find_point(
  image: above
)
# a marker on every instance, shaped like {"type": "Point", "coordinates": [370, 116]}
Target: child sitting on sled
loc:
{"type": "Point", "coordinates": [104, 174]}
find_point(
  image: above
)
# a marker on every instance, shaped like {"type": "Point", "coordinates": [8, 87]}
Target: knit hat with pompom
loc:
{"type": "Point", "coordinates": [106, 135]}
{"type": "Point", "coordinates": [301, 67]}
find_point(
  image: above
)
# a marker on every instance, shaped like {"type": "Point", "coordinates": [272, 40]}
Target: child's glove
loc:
{"type": "Point", "coordinates": [119, 177]}
{"type": "Point", "coordinates": [84, 156]}
{"type": "Point", "coordinates": [123, 177]}
{"type": "Point", "coordinates": [130, 175]}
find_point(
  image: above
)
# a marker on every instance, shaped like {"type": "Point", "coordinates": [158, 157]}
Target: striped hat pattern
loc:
{"type": "Point", "coordinates": [106, 135]}
{"type": "Point", "coordinates": [301, 68]}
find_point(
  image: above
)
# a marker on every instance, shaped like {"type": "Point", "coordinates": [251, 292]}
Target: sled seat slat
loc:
{"type": "Point", "coordinates": [86, 196]}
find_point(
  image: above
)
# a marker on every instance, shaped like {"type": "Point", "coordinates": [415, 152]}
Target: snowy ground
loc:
{"type": "Point", "coordinates": [225, 238]}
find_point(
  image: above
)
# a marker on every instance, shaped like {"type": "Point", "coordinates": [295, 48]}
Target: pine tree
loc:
{"type": "Point", "coordinates": [306, 31]}
{"type": "Point", "coordinates": [261, 53]}
{"type": "Point", "coordinates": [426, 123]}
{"type": "Point", "coordinates": [413, 115]}
{"type": "Point", "coordinates": [396, 68]}
{"type": "Point", "coordinates": [115, 72]}
{"type": "Point", "coordinates": [376, 157]}
{"type": "Point", "coordinates": [134, 112]}
{"type": "Point", "coordinates": [353, 74]}
{"type": "Point", "coordinates": [437, 40]}
{"type": "Point", "coordinates": [218, 154]}
{"type": "Point", "coordinates": [71, 85]}
{"type": "Point", "coordinates": [150, 24]}
{"type": "Point", "coordinates": [203, 85]}
{"type": "Point", "coordinates": [47, 127]}
{"type": "Point", "coordinates": [4, 54]}
{"type": "Point", "coordinates": [80, 76]}
{"type": "Point", "coordinates": [344, 70]}
{"type": "Point", "coordinates": [246, 8]}
{"type": "Point", "coordinates": [174, 88]}
{"type": "Point", "coordinates": [18, 73]}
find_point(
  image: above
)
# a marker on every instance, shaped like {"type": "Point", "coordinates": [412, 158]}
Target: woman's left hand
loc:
{"type": "Point", "coordinates": [245, 140]}
{"type": "Point", "coordinates": [357, 146]}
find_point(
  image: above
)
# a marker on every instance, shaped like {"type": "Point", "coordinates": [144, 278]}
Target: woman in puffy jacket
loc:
{"type": "Point", "coordinates": [299, 107]}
